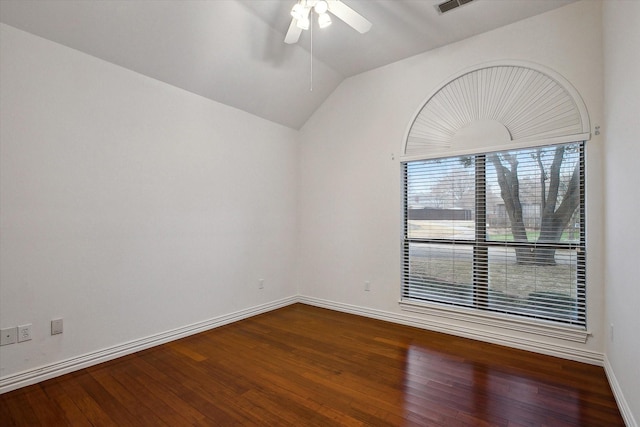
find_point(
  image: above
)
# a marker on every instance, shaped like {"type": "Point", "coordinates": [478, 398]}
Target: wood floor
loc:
{"type": "Point", "coordinates": [306, 366]}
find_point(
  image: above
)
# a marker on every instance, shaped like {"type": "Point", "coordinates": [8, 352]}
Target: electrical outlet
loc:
{"type": "Point", "coordinates": [24, 333]}
{"type": "Point", "coordinates": [261, 284]}
{"type": "Point", "coordinates": [367, 286]}
{"type": "Point", "coordinates": [9, 336]}
{"type": "Point", "coordinates": [56, 326]}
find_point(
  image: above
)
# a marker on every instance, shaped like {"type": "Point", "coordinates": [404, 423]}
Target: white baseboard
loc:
{"type": "Point", "coordinates": [53, 370]}
{"type": "Point", "coordinates": [623, 405]}
{"type": "Point", "coordinates": [36, 375]}
{"type": "Point", "coordinates": [565, 352]}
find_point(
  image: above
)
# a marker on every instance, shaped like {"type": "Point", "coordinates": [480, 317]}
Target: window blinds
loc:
{"type": "Point", "coordinates": [501, 231]}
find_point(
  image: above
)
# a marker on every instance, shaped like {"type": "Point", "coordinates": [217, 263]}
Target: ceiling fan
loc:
{"type": "Point", "coordinates": [301, 14]}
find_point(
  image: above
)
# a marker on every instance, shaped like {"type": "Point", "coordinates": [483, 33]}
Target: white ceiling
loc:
{"type": "Point", "coordinates": [232, 51]}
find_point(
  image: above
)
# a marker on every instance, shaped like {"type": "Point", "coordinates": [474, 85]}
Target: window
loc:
{"type": "Point", "coordinates": [500, 232]}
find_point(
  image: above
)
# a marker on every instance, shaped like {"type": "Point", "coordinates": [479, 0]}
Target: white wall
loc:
{"type": "Point", "coordinates": [130, 207]}
{"type": "Point", "coordinates": [622, 230]}
{"type": "Point", "coordinates": [350, 203]}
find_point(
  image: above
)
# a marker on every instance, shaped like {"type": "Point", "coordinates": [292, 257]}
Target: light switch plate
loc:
{"type": "Point", "coordinates": [56, 326]}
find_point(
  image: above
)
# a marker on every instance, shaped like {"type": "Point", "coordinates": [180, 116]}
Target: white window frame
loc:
{"type": "Point", "coordinates": [487, 317]}
{"type": "Point", "coordinates": [471, 99]}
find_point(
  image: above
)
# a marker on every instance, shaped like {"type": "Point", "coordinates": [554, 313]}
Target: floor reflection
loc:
{"type": "Point", "coordinates": [445, 388]}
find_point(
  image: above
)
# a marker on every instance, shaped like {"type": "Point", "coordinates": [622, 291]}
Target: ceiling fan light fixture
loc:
{"type": "Point", "coordinates": [299, 12]}
{"type": "Point", "coordinates": [321, 7]}
{"type": "Point", "coordinates": [324, 20]}
{"type": "Point", "coordinates": [303, 23]}
{"type": "Point", "coordinates": [324, 11]}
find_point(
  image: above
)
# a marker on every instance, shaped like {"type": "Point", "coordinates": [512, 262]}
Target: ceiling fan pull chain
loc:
{"type": "Point", "coordinates": [311, 65]}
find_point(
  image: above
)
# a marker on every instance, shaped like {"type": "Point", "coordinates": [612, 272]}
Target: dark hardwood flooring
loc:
{"type": "Point", "coordinates": [307, 366]}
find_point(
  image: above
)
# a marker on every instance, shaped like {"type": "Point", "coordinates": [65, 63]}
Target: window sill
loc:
{"type": "Point", "coordinates": [503, 321]}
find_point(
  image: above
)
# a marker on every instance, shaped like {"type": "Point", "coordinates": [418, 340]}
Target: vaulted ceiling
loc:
{"type": "Point", "coordinates": [232, 51]}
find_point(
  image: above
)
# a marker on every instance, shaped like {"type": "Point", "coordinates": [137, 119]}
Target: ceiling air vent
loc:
{"type": "Point", "coordinates": [452, 4]}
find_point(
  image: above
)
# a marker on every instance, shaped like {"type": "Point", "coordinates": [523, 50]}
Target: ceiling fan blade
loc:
{"type": "Point", "coordinates": [349, 16]}
{"type": "Point", "coordinates": [293, 34]}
